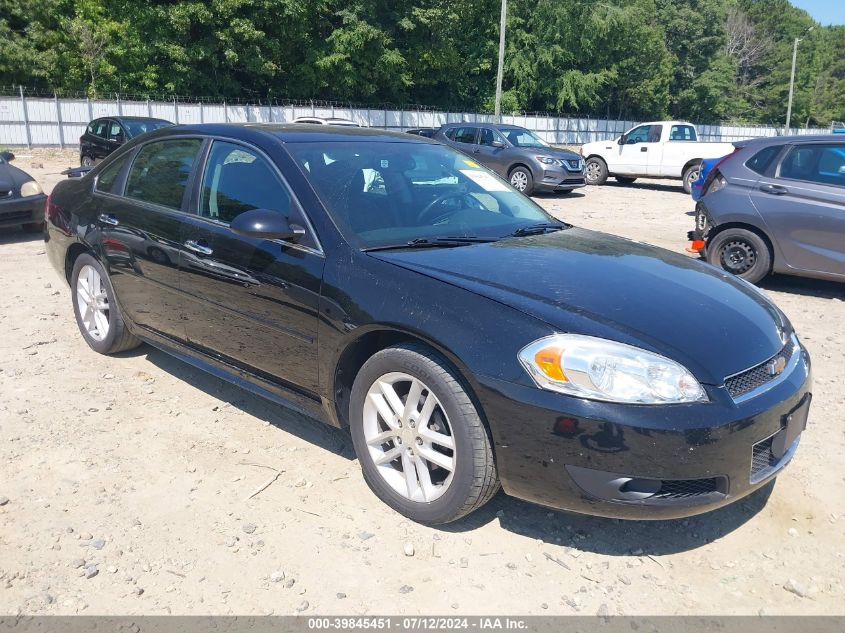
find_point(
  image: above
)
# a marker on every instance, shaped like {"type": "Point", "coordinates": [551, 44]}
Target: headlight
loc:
{"type": "Point", "coordinates": [546, 160]}
{"type": "Point", "coordinates": [30, 188]}
{"type": "Point", "coordinates": [599, 369]}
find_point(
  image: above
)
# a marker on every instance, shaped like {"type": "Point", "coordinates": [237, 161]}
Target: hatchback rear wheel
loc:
{"type": "Point", "coordinates": [742, 253]}
{"type": "Point", "coordinates": [97, 313]}
{"type": "Point", "coordinates": [423, 448]}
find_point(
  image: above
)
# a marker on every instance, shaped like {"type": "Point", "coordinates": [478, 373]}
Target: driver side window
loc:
{"type": "Point", "coordinates": [638, 135]}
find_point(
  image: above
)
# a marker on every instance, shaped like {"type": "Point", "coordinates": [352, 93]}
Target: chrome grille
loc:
{"type": "Point", "coordinates": [757, 376]}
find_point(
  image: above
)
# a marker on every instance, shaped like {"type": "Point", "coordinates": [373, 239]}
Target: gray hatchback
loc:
{"type": "Point", "coordinates": [776, 205]}
{"type": "Point", "coordinates": [523, 158]}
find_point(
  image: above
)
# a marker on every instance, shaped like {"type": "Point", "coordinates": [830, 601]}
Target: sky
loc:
{"type": "Point", "coordinates": [823, 11]}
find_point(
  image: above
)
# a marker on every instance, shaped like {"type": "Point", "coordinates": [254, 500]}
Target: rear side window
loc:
{"type": "Point", "coordinates": [160, 172]}
{"type": "Point", "coordinates": [682, 133]}
{"type": "Point", "coordinates": [761, 161]}
{"type": "Point", "coordinates": [465, 135]}
{"type": "Point", "coordinates": [823, 164]}
{"type": "Point", "coordinates": [107, 178]}
{"type": "Point", "coordinates": [450, 133]}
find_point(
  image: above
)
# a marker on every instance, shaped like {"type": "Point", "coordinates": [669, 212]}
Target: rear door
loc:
{"type": "Point", "coordinates": [803, 205]}
{"type": "Point", "coordinates": [251, 302]}
{"type": "Point", "coordinates": [116, 136]}
{"type": "Point", "coordinates": [97, 144]}
{"type": "Point", "coordinates": [464, 139]}
{"type": "Point", "coordinates": [141, 199]}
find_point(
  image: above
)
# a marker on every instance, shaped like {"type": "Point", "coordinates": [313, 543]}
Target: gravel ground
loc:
{"type": "Point", "coordinates": [125, 485]}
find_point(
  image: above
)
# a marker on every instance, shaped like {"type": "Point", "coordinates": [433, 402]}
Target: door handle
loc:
{"type": "Point", "coordinates": [776, 190]}
{"type": "Point", "coordinates": [109, 219]}
{"type": "Point", "coordinates": [196, 247]}
{"type": "Point", "coordinates": [643, 149]}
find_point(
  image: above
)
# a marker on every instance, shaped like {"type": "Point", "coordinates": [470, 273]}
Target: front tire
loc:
{"type": "Point", "coordinates": [595, 171]}
{"type": "Point", "coordinates": [741, 253]}
{"type": "Point", "coordinates": [97, 313]}
{"type": "Point", "coordinates": [691, 174]}
{"type": "Point", "coordinates": [423, 448]}
{"type": "Point", "coordinates": [522, 180]}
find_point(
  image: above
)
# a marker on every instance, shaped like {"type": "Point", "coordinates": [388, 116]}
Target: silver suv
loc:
{"type": "Point", "coordinates": [776, 205]}
{"type": "Point", "coordinates": [523, 158]}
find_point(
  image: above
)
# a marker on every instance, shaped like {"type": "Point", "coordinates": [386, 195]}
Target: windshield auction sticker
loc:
{"type": "Point", "coordinates": [484, 180]}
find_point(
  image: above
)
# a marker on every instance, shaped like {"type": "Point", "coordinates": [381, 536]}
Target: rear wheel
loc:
{"type": "Point", "coordinates": [86, 161]}
{"type": "Point", "coordinates": [691, 174]}
{"type": "Point", "coordinates": [522, 180]}
{"type": "Point", "coordinates": [595, 171]}
{"type": "Point", "coordinates": [742, 253]}
{"type": "Point", "coordinates": [422, 446]}
{"type": "Point", "coordinates": [624, 180]}
{"type": "Point", "coordinates": [97, 313]}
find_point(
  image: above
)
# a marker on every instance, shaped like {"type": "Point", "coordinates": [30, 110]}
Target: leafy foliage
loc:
{"type": "Point", "coordinates": [707, 60]}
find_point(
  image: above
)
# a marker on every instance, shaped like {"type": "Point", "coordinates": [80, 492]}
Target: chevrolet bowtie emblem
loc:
{"type": "Point", "coordinates": [776, 366]}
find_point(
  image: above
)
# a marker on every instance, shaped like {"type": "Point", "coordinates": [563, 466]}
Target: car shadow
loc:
{"type": "Point", "coordinates": [306, 428]}
{"type": "Point", "coordinates": [569, 195]}
{"type": "Point", "coordinates": [647, 185]}
{"type": "Point", "coordinates": [804, 286]}
{"type": "Point", "coordinates": [613, 537]}
{"type": "Point", "coordinates": [16, 235]}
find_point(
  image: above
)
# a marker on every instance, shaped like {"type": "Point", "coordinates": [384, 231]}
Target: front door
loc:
{"type": "Point", "coordinates": [251, 302]}
{"type": "Point", "coordinates": [140, 215]}
{"type": "Point", "coordinates": [804, 206]}
{"type": "Point", "coordinates": [633, 155]}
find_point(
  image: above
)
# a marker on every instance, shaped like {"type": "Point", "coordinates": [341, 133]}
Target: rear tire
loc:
{"type": "Point", "coordinates": [595, 171]}
{"type": "Point", "coordinates": [624, 180]}
{"type": "Point", "coordinates": [450, 431]}
{"type": "Point", "coordinates": [741, 253]}
{"type": "Point", "coordinates": [521, 179]}
{"type": "Point", "coordinates": [97, 313]}
{"type": "Point", "coordinates": [691, 174]}
{"type": "Point", "coordinates": [86, 161]}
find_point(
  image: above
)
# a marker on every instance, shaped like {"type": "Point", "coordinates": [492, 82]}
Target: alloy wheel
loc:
{"type": "Point", "coordinates": [592, 172]}
{"type": "Point", "coordinates": [409, 437]}
{"type": "Point", "coordinates": [519, 180]}
{"type": "Point", "coordinates": [92, 303]}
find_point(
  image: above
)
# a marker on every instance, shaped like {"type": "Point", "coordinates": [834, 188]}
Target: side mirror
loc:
{"type": "Point", "coordinates": [7, 156]}
{"type": "Point", "coordinates": [497, 144]}
{"type": "Point", "coordinates": [266, 224]}
{"type": "Point", "coordinates": [621, 140]}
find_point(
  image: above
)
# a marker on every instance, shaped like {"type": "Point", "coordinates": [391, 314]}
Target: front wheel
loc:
{"type": "Point", "coordinates": [691, 174]}
{"type": "Point", "coordinates": [423, 448]}
{"type": "Point", "coordinates": [97, 313]}
{"type": "Point", "coordinates": [595, 171]}
{"type": "Point", "coordinates": [742, 253]}
{"type": "Point", "coordinates": [522, 180]}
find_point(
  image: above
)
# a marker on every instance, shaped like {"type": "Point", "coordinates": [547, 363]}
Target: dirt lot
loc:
{"type": "Point", "coordinates": [124, 485]}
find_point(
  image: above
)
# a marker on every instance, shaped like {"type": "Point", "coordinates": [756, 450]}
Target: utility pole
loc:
{"type": "Point", "coordinates": [792, 80]}
{"type": "Point", "coordinates": [500, 72]}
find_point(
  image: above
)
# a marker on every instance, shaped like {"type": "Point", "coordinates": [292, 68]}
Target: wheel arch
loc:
{"type": "Point", "coordinates": [73, 252]}
{"type": "Point", "coordinates": [375, 339]}
{"type": "Point", "coordinates": [520, 164]}
{"type": "Point", "coordinates": [690, 163]}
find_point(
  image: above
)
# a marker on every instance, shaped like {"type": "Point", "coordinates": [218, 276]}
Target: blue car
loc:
{"type": "Point", "coordinates": [698, 185]}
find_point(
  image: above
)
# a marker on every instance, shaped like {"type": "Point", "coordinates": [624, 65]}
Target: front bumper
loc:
{"type": "Point", "coordinates": [558, 179]}
{"type": "Point", "coordinates": [640, 462]}
{"type": "Point", "coordinates": [16, 211]}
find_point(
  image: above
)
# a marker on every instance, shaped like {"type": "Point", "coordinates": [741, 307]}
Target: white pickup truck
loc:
{"type": "Point", "coordinates": [660, 149]}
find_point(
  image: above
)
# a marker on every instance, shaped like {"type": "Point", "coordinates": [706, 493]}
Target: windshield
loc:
{"type": "Point", "coordinates": [384, 194]}
{"type": "Point", "coordinates": [522, 138]}
{"type": "Point", "coordinates": [136, 128]}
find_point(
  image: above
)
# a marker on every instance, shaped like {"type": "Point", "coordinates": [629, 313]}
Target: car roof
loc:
{"type": "Point", "coordinates": [498, 126]}
{"type": "Point", "coordinates": [292, 132]}
{"type": "Point", "coordinates": [789, 139]}
{"type": "Point", "coordinates": [131, 118]}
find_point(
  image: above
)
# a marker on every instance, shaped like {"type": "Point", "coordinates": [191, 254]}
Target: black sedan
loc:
{"type": "Point", "coordinates": [21, 198]}
{"type": "Point", "coordinates": [389, 284]}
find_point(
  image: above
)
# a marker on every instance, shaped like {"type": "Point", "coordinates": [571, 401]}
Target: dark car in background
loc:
{"type": "Point", "coordinates": [517, 154]}
{"type": "Point", "coordinates": [21, 198]}
{"type": "Point", "coordinates": [776, 205]}
{"type": "Point", "coordinates": [427, 132]}
{"type": "Point", "coordinates": [392, 285]}
{"type": "Point", "coordinates": [103, 136]}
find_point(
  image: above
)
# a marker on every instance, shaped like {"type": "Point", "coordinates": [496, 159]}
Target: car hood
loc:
{"type": "Point", "coordinates": [555, 153]}
{"type": "Point", "coordinates": [596, 284]}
